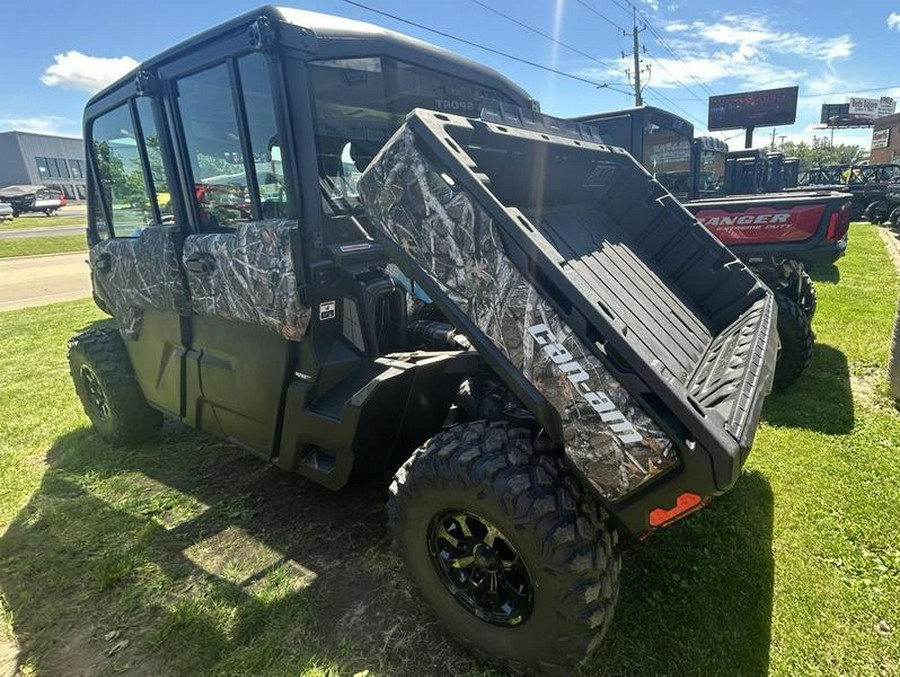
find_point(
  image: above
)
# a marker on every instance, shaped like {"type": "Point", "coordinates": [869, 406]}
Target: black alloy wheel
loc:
{"type": "Point", "coordinates": [96, 398]}
{"type": "Point", "coordinates": [480, 568]}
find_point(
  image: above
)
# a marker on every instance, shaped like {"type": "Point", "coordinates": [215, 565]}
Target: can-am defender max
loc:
{"type": "Point", "coordinates": [775, 234]}
{"type": "Point", "coordinates": [516, 320]}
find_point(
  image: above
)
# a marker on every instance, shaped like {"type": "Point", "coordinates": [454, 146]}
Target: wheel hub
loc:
{"type": "Point", "coordinates": [480, 568]}
{"type": "Point", "coordinates": [485, 557]}
{"type": "Point", "coordinates": [96, 397]}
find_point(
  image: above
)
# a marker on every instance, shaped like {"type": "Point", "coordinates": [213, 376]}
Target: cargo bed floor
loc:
{"type": "Point", "coordinates": [611, 272]}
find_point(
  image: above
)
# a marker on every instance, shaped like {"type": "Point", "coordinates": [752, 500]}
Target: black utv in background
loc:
{"type": "Point", "coordinates": [337, 266]}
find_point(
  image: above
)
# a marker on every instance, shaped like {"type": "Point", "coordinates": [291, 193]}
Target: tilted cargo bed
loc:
{"type": "Point", "coordinates": [637, 340]}
{"type": "Point", "coordinates": [809, 225]}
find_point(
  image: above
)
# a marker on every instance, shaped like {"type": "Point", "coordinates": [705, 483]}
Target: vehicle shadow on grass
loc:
{"type": "Point", "coordinates": [203, 558]}
{"type": "Point", "coordinates": [697, 597]}
{"type": "Point", "coordinates": [821, 399]}
{"type": "Point", "coordinates": [824, 272]}
{"type": "Point", "coordinates": [191, 556]}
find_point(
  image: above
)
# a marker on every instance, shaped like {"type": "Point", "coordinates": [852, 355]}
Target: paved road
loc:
{"type": "Point", "coordinates": [36, 280]}
{"type": "Point", "coordinates": [46, 231]}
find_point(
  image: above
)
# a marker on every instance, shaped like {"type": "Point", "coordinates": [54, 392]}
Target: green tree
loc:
{"type": "Point", "coordinates": [821, 153]}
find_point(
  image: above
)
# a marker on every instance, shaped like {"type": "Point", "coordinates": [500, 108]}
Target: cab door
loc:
{"type": "Point", "coordinates": [242, 258]}
{"type": "Point", "coordinates": [136, 252]}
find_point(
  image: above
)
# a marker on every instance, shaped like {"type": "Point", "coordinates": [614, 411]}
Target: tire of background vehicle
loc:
{"type": "Point", "coordinates": [108, 390]}
{"type": "Point", "coordinates": [547, 523]}
{"type": "Point", "coordinates": [869, 212]}
{"type": "Point", "coordinates": [875, 213]}
{"type": "Point", "coordinates": [806, 297]}
{"type": "Point", "coordinates": [895, 217]}
{"type": "Point", "coordinates": [796, 337]}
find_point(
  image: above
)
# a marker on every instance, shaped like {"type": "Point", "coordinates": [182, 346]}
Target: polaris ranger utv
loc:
{"type": "Point", "coordinates": [776, 234]}
{"type": "Point", "coordinates": [341, 269]}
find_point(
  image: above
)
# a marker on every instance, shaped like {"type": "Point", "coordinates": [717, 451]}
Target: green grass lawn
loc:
{"type": "Point", "coordinates": [192, 557]}
{"type": "Point", "coordinates": [53, 244]}
{"type": "Point", "coordinates": [41, 221]}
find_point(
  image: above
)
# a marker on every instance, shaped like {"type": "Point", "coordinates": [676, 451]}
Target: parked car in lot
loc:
{"type": "Point", "coordinates": [6, 211]}
{"type": "Point", "coordinates": [27, 198]}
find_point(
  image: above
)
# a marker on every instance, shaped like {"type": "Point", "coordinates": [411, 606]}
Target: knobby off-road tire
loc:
{"type": "Point", "coordinates": [806, 297]}
{"type": "Point", "coordinates": [874, 213]}
{"type": "Point", "coordinates": [108, 390]}
{"type": "Point", "coordinates": [894, 218]}
{"type": "Point", "coordinates": [796, 337]}
{"type": "Point", "coordinates": [498, 484]}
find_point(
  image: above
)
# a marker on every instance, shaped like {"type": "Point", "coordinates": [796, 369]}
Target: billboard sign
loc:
{"type": "Point", "coordinates": [863, 108]}
{"type": "Point", "coordinates": [858, 112]}
{"type": "Point", "coordinates": [763, 108]}
{"type": "Point", "coordinates": [835, 114]}
{"type": "Point", "coordinates": [881, 138]}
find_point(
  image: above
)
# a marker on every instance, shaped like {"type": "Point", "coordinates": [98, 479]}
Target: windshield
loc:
{"type": "Point", "coordinates": [361, 102]}
{"type": "Point", "coordinates": [667, 155]}
{"type": "Point", "coordinates": [711, 181]}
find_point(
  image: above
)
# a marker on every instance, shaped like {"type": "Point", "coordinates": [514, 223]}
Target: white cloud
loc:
{"type": "Point", "coordinates": [749, 50]}
{"type": "Point", "coordinates": [74, 70]}
{"type": "Point", "coordinates": [893, 20]}
{"type": "Point", "coordinates": [754, 35]}
{"type": "Point", "coordinates": [42, 124]}
{"type": "Point", "coordinates": [652, 4]}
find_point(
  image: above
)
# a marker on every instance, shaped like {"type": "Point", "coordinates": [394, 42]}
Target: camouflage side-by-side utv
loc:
{"type": "Point", "coordinates": [313, 248]}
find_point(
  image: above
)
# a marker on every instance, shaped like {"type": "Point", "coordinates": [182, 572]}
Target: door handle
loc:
{"type": "Point", "coordinates": [203, 264]}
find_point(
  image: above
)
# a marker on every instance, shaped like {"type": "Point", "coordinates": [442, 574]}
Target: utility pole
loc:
{"type": "Point", "coordinates": [638, 99]}
{"type": "Point", "coordinates": [772, 145]}
{"type": "Point", "coordinates": [635, 36]}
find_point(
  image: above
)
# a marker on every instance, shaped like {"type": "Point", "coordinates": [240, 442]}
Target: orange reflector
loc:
{"type": "Point", "coordinates": [683, 503]}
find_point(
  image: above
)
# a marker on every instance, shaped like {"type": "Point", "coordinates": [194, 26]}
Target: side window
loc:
{"type": "Point", "coordinates": [667, 155]}
{"type": "Point", "coordinates": [213, 144]}
{"type": "Point", "coordinates": [120, 178]}
{"type": "Point", "coordinates": [264, 143]}
{"type": "Point", "coordinates": [150, 138]}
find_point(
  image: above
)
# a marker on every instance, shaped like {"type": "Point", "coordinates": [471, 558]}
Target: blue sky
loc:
{"type": "Point", "coordinates": [829, 48]}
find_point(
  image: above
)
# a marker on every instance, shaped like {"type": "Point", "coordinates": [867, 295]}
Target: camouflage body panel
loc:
{"type": "Point", "coordinates": [443, 229]}
{"type": "Point", "coordinates": [249, 277]}
{"type": "Point", "coordinates": [136, 273]}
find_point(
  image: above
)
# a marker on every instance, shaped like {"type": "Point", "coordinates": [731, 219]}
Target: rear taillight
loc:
{"type": "Point", "coordinates": [839, 223]}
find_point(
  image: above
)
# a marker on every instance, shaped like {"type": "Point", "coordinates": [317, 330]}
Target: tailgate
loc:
{"type": "Point", "coordinates": [637, 340]}
{"type": "Point", "coordinates": [783, 222]}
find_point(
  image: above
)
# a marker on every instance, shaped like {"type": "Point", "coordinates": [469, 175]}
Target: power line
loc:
{"type": "Point", "coordinates": [665, 45]}
{"type": "Point", "coordinates": [602, 16]}
{"type": "Point", "coordinates": [578, 78]}
{"type": "Point", "coordinates": [621, 6]}
{"type": "Point", "coordinates": [602, 62]}
{"type": "Point", "coordinates": [665, 99]}
{"type": "Point", "coordinates": [674, 77]}
{"type": "Point", "coordinates": [851, 91]}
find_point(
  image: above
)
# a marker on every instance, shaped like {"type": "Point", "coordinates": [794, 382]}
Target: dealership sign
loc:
{"type": "Point", "coordinates": [858, 112]}
{"type": "Point", "coordinates": [881, 138]}
{"type": "Point", "coordinates": [872, 108]}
